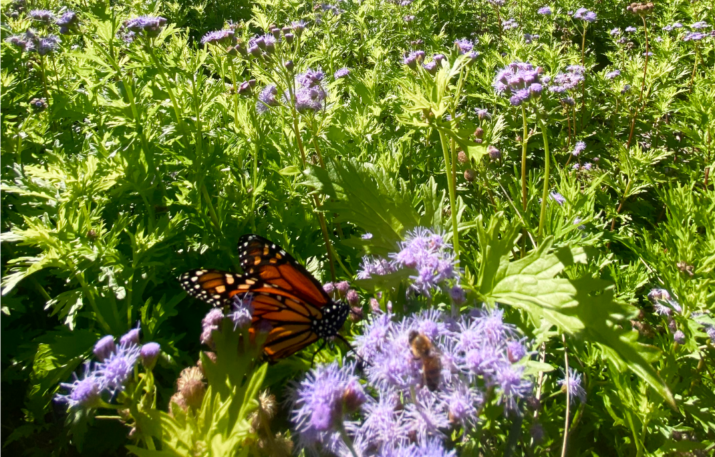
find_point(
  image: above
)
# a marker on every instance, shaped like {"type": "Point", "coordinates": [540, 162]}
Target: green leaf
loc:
{"type": "Point", "coordinates": [584, 308]}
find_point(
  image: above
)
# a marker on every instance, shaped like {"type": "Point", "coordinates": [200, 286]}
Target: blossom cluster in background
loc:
{"type": "Point", "coordinates": [409, 396]}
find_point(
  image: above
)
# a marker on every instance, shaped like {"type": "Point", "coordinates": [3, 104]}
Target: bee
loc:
{"type": "Point", "coordinates": [423, 349]}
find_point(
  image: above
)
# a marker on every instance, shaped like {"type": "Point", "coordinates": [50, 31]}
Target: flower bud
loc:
{"type": "Point", "coordinates": [177, 401]}
{"type": "Point", "coordinates": [191, 386]}
{"type": "Point", "coordinates": [289, 65]}
{"type": "Point", "coordinates": [286, 30]}
{"type": "Point", "coordinates": [298, 27]}
{"type": "Point", "coordinates": [104, 348]}
{"type": "Point", "coordinates": [289, 38]}
{"type": "Point", "coordinates": [375, 306]}
{"type": "Point", "coordinates": [38, 104]}
{"type": "Point", "coordinates": [329, 288]}
{"type": "Point", "coordinates": [470, 175]}
{"type": "Point", "coordinates": [462, 157]}
{"type": "Point", "coordinates": [679, 337]}
{"type": "Point", "coordinates": [149, 354]}
{"type": "Point", "coordinates": [353, 396]}
{"type": "Point", "coordinates": [479, 132]}
{"type": "Point", "coordinates": [672, 325]}
{"type": "Point", "coordinates": [342, 287]}
{"type": "Point", "coordinates": [244, 88]}
{"type": "Point", "coordinates": [353, 297]}
{"type": "Point", "coordinates": [457, 294]}
{"type": "Point", "coordinates": [276, 32]}
{"type": "Point", "coordinates": [130, 338]}
{"type": "Point", "coordinates": [494, 153]}
{"type": "Point", "coordinates": [356, 314]}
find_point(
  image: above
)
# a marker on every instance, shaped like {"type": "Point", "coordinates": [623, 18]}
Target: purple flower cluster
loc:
{"type": "Point", "coordinates": [30, 42]}
{"type": "Point", "coordinates": [424, 251]}
{"type": "Point", "coordinates": [544, 11]}
{"type": "Point", "coordinates": [663, 303]}
{"type": "Point", "coordinates": [112, 372]}
{"type": "Point", "coordinates": [45, 16]}
{"type": "Point", "coordinates": [267, 98]}
{"type": "Point", "coordinates": [148, 26]}
{"type": "Point", "coordinates": [510, 24]}
{"type": "Point", "coordinates": [569, 80]}
{"type": "Point", "coordinates": [224, 36]}
{"type": "Point", "coordinates": [520, 80]}
{"type": "Point", "coordinates": [342, 73]}
{"type": "Point", "coordinates": [674, 26]}
{"type": "Point", "coordinates": [585, 15]}
{"type": "Point", "coordinates": [630, 29]}
{"type": "Point", "coordinates": [464, 45]}
{"type": "Point", "coordinates": [578, 148]}
{"type": "Point", "coordinates": [613, 74]}
{"type": "Point", "coordinates": [67, 22]}
{"type": "Point", "coordinates": [310, 94]}
{"type": "Point", "coordinates": [694, 36]}
{"type": "Point", "coordinates": [473, 360]}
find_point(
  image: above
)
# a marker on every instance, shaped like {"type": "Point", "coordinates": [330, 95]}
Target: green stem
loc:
{"type": "Point", "coordinates": [525, 139]}
{"type": "Point", "coordinates": [88, 293]}
{"type": "Point", "coordinates": [169, 89]}
{"type": "Point", "coordinates": [452, 192]}
{"type": "Point", "coordinates": [346, 439]}
{"type": "Point", "coordinates": [545, 193]}
{"type": "Point", "coordinates": [212, 211]}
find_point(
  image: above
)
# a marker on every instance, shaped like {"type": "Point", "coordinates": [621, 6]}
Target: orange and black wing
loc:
{"type": "Point", "coordinates": [215, 287]}
{"type": "Point", "coordinates": [291, 320]}
{"type": "Point", "coordinates": [268, 262]}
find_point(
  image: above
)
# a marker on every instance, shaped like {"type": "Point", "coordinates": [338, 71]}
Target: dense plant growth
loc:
{"type": "Point", "coordinates": [514, 198]}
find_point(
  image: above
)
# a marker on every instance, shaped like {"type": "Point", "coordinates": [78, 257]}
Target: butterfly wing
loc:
{"type": "Point", "coordinates": [268, 262]}
{"type": "Point", "coordinates": [215, 287]}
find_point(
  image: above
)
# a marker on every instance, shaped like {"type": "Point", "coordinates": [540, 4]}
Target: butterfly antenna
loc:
{"type": "Point", "coordinates": [342, 338]}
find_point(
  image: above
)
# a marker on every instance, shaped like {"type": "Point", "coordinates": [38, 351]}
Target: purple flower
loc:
{"type": "Point", "coordinates": [374, 266]}
{"type": "Point", "coordinates": [411, 60]}
{"type": "Point", "coordinates": [131, 337]}
{"type": "Point", "coordinates": [224, 36]}
{"type": "Point", "coordinates": [149, 26]}
{"type": "Point", "coordinates": [573, 384]}
{"type": "Point", "coordinates": [48, 44]}
{"type": "Point", "coordinates": [529, 38]}
{"type": "Point", "coordinates": [630, 29]}
{"type": "Point", "coordinates": [615, 32]}
{"type": "Point", "coordinates": [210, 323]}
{"type": "Point", "coordinates": [317, 403]}
{"type": "Point", "coordinates": [679, 337]}
{"type": "Point", "coordinates": [342, 287]}
{"type": "Point", "coordinates": [578, 148]}
{"type": "Point", "coordinates": [576, 167]}
{"type": "Point", "coordinates": [309, 99]}
{"type": "Point", "coordinates": [267, 98]}
{"type": "Point", "coordinates": [585, 15]}
{"type": "Point", "coordinates": [693, 36]}
{"type": "Point", "coordinates": [42, 16]}
{"type": "Point", "coordinates": [558, 198]}
{"type": "Point", "coordinates": [457, 295]}
{"type": "Point", "coordinates": [512, 385]}
{"type": "Point", "coordinates": [149, 353]}
{"type": "Point", "coordinates": [374, 337]}
{"type": "Point", "coordinates": [67, 22]}
{"type": "Point", "coordinates": [544, 10]}
{"type": "Point", "coordinates": [104, 348]}
{"type": "Point", "coordinates": [520, 81]}
{"type": "Point", "coordinates": [408, 18]}
{"type": "Point", "coordinates": [483, 114]}
{"type": "Point", "coordinates": [242, 311]}
{"type": "Point", "coordinates": [429, 254]}
{"type": "Point", "coordinates": [384, 422]}
{"type": "Point", "coordinates": [697, 26]}
{"type": "Point", "coordinates": [329, 288]}
{"type": "Point", "coordinates": [613, 74]}
{"type": "Point", "coordinates": [462, 404]}
{"type": "Point", "coordinates": [677, 25]}
{"type": "Point", "coordinates": [510, 24]}
{"type": "Point", "coordinates": [626, 88]}
{"type": "Point", "coordinates": [515, 351]}
{"type": "Point", "coordinates": [119, 367]}
{"type": "Point", "coordinates": [427, 416]}
{"type": "Point", "coordinates": [668, 28]}
{"type": "Point", "coordinates": [658, 294]}
{"type": "Point", "coordinates": [85, 392]}
{"type": "Point", "coordinates": [464, 45]}
{"type": "Point", "coordinates": [431, 67]}
{"type": "Point", "coordinates": [342, 73]}
{"type": "Point", "coordinates": [366, 236]}
{"type": "Point", "coordinates": [569, 80]}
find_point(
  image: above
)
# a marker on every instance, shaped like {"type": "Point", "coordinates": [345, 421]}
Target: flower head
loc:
{"type": "Point", "coordinates": [104, 348]}
{"type": "Point", "coordinates": [48, 44]}
{"type": "Point", "coordinates": [45, 16]}
{"type": "Point", "coordinates": [573, 384]}
{"type": "Point", "coordinates": [119, 367]}
{"type": "Point", "coordinates": [242, 311]}
{"type": "Point", "coordinates": [210, 323]}
{"type": "Point", "coordinates": [558, 198]}
{"type": "Point", "coordinates": [342, 73]}
{"type": "Point", "coordinates": [149, 354]}
{"type": "Point", "coordinates": [149, 26]}
{"type": "Point", "coordinates": [520, 81]}
{"type": "Point", "coordinates": [67, 22]}
{"type": "Point", "coordinates": [463, 46]}
{"type": "Point", "coordinates": [131, 337]}
{"type": "Point", "coordinates": [85, 392]}
{"type": "Point", "coordinates": [578, 148]}
{"type": "Point", "coordinates": [544, 11]}
{"type": "Point", "coordinates": [613, 74]}
{"type": "Point", "coordinates": [585, 15]}
{"type": "Point", "coordinates": [224, 36]}
{"type": "Point", "coordinates": [267, 98]}
{"type": "Point", "coordinates": [630, 29]}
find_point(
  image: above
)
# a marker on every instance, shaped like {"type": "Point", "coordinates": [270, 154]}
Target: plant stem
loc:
{"type": "Point", "coordinates": [583, 64]}
{"type": "Point", "coordinates": [452, 192]}
{"type": "Point", "coordinates": [169, 89]}
{"type": "Point", "coordinates": [568, 398]}
{"type": "Point", "coordinates": [346, 439]}
{"type": "Point", "coordinates": [545, 193]}
{"type": "Point", "coordinates": [645, 72]}
{"type": "Point", "coordinates": [524, 140]}
{"type": "Point", "coordinates": [620, 206]}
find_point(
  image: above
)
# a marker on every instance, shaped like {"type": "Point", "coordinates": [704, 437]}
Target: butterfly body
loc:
{"type": "Point", "coordinates": [284, 295]}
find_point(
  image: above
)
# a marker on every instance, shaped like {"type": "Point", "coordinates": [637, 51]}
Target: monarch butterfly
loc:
{"type": "Point", "coordinates": [283, 294]}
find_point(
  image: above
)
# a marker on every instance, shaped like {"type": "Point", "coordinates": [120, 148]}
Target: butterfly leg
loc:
{"type": "Point", "coordinates": [341, 338]}
{"type": "Point", "coordinates": [322, 346]}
